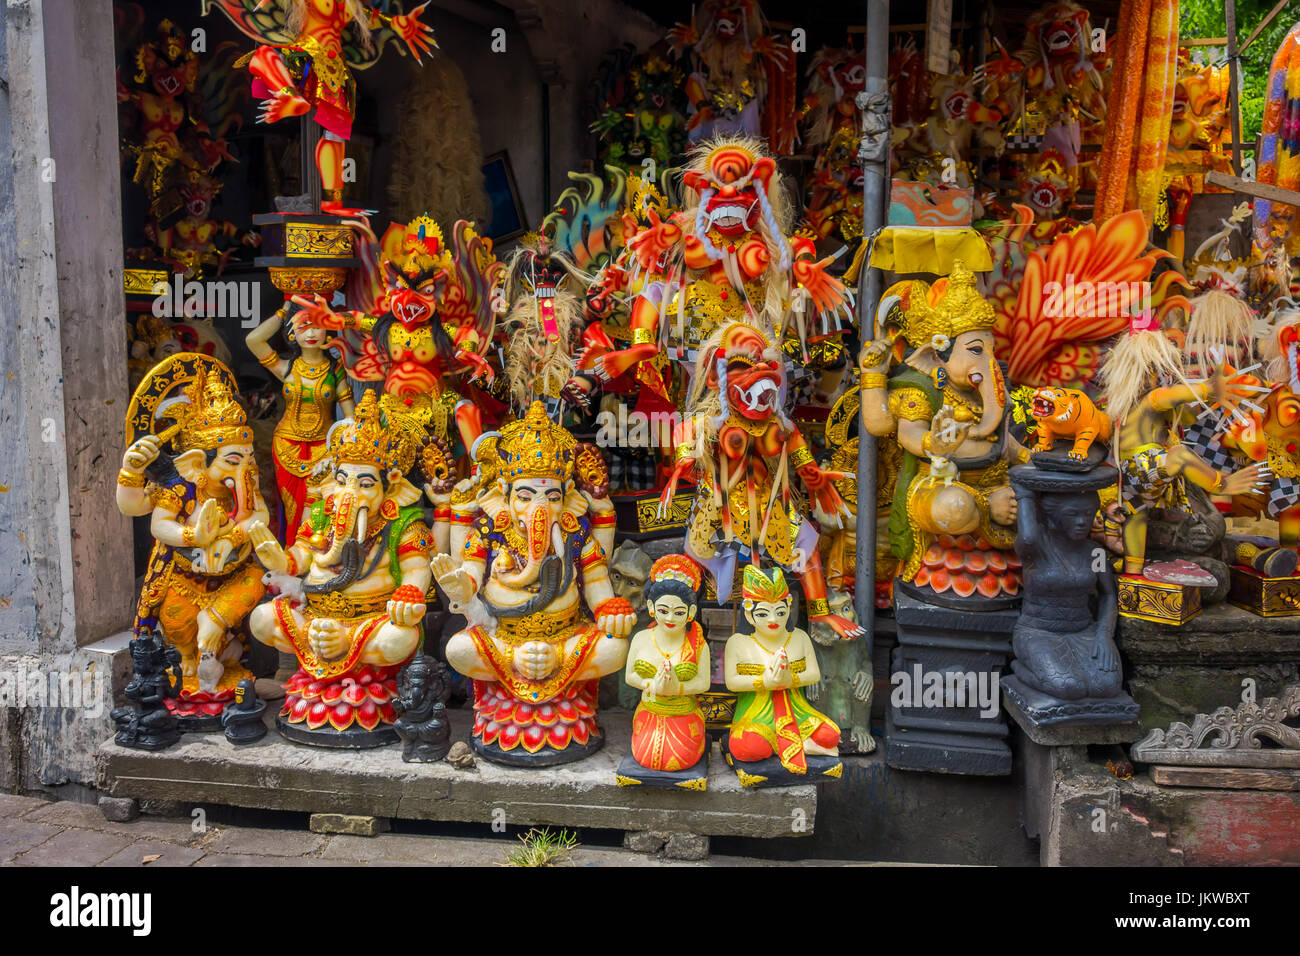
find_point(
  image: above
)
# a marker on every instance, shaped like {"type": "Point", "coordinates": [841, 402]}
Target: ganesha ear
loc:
{"type": "Point", "coordinates": [191, 465]}
{"type": "Point", "coordinates": [402, 493]}
{"type": "Point", "coordinates": [924, 360]}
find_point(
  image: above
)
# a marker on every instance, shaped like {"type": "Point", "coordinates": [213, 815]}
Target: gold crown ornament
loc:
{"type": "Point", "coordinates": [960, 309]}
{"type": "Point", "coordinates": [423, 247]}
{"type": "Point", "coordinates": [759, 586]}
{"type": "Point", "coordinates": [533, 447]}
{"type": "Point", "coordinates": [209, 416]}
{"type": "Point", "coordinates": [390, 443]}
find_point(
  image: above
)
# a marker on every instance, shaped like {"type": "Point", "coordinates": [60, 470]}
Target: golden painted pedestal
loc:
{"type": "Point", "coordinates": [1267, 597]}
{"type": "Point", "coordinates": [306, 253]}
{"type": "Point", "coordinates": [1156, 601]}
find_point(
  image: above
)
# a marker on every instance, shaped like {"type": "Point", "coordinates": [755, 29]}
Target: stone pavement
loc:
{"type": "Point", "coordinates": [35, 832]}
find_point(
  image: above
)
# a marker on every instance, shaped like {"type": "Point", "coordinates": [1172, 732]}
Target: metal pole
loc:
{"type": "Point", "coordinates": [875, 190]}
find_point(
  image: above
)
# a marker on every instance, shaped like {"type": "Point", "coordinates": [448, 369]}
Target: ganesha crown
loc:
{"type": "Point", "coordinates": [212, 416]}
{"type": "Point", "coordinates": [961, 309]}
{"type": "Point", "coordinates": [535, 448]}
{"type": "Point", "coordinates": [367, 440]}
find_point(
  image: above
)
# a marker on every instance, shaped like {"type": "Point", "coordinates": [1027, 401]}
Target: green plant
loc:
{"type": "Point", "coordinates": [542, 848]}
{"type": "Point", "coordinates": [1205, 18]}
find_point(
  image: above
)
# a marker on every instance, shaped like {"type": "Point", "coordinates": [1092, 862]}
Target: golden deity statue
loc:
{"type": "Point", "coordinates": [201, 581]}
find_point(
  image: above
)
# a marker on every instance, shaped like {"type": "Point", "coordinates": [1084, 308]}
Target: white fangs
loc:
{"type": "Point", "coordinates": [728, 216]}
{"type": "Point", "coordinates": [762, 394]}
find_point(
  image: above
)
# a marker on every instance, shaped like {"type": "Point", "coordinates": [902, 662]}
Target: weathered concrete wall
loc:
{"type": "Point", "coordinates": [81, 76]}
{"type": "Point", "coordinates": [65, 549]}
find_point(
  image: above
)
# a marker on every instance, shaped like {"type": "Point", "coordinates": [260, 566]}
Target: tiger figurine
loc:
{"type": "Point", "coordinates": [1066, 413]}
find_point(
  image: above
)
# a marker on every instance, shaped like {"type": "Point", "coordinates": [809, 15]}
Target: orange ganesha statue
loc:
{"type": "Point", "coordinates": [533, 582]}
{"type": "Point", "coordinates": [201, 581]}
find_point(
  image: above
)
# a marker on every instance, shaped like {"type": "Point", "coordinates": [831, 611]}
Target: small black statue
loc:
{"type": "Point", "coordinates": [1066, 667]}
{"type": "Point", "coordinates": [421, 704]}
{"type": "Point", "coordinates": [146, 723]}
{"type": "Point", "coordinates": [242, 717]}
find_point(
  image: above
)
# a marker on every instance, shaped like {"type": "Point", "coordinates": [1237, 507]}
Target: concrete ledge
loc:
{"type": "Point", "coordinates": [275, 774]}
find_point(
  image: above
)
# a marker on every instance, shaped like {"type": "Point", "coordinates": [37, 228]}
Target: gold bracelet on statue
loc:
{"type": "Point", "coordinates": [873, 380]}
{"type": "Point", "coordinates": [187, 536]}
{"type": "Point", "coordinates": [925, 443]}
{"type": "Point", "coordinates": [130, 479]}
{"type": "Point", "coordinates": [269, 360]}
{"type": "Point", "coordinates": [642, 336]}
{"type": "Point", "coordinates": [801, 456]}
{"type": "Point", "coordinates": [818, 607]}
{"type": "Point", "coordinates": [1218, 484]}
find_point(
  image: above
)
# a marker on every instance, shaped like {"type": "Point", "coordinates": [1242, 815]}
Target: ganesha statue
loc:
{"type": "Point", "coordinates": [363, 560]}
{"type": "Point", "coordinates": [203, 499]}
{"type": "Point", "coordinates": [533, 582]}
{"type": "Point", "coordinates": [953, 517]}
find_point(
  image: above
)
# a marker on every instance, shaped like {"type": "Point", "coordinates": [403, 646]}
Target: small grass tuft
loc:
{"type": "Point", "coordinates": [542, 848]}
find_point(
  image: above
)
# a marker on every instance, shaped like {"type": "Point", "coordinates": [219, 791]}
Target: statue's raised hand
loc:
{"type": "Point", "coordinates": [268, 550]}
{"type": "Point", "coordinates": [208, 522]}
{"type": "Point", "coordinates": [141, 454]}
{"type": "Point", "coordinates": [314, 311]}
{"type": "Point", "coordinates": [876, 357]}
{"type": "Point", "coordinates": [946, 433]}
{"type": "Point", "coordinates": [452, 578]}
{"type": "Point", "coordinates": [418, 36]}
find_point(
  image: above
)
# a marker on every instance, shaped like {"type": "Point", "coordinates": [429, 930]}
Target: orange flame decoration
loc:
{"type": "Point", "coordinates": [1050, 338]}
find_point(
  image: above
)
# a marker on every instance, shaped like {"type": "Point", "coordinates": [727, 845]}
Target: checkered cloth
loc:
{"type": "Point", "coordinates": [1203, 438]}
{"type": "Point", "coordinates": [1024, 141]}
{"type": "Point", "coordinates": [631, 470]}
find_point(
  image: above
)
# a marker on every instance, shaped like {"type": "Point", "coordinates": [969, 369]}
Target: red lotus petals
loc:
{"type": "Point", "coordinates": [989, 586]}
{"type": "Point", "coordinates": [534, 737]}
{"type": "Point", "coordinates": [963, 585]}
{"type": "Point", "coordinates": [332, 693]}
{"type": "Point", "coordinates": [317, 715]}
{"type": "Point", "coordinates": [977, 562]}
{"type": "Point", "coordinates": [941, 580]}
{"type": "Point", "coordinates": [954, 560]}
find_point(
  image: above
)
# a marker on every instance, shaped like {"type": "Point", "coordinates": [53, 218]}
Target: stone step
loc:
{"type": "Point", "coordinates": [275, 774]}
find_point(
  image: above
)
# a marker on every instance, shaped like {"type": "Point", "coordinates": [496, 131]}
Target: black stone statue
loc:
{"type": "Point", "coordinates": [421, 704]}
{"type": "Point", "coordinates": [146, 723]}
{"type": "Point", "coordinates": [242, 717]}
{"type": "Point", "coordinates": [1066, 667]}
